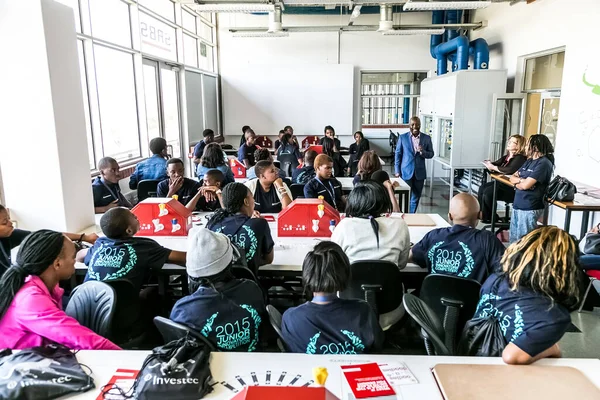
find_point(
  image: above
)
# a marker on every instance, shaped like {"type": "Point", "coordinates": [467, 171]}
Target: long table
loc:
{"type": "Point", "coordinates": [226, 366]}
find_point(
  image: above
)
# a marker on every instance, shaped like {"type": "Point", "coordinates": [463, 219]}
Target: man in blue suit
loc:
{"type": "Point", "coordinates": [411, 151]}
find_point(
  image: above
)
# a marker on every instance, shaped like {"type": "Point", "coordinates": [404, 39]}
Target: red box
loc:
{"type": "Point", "coordinates": [318, 148]}
{"type": "Point", "coordinates": [162, 217]}
{"type": "Point", "coordinates": [310, 140]}
{"type": "Point", "coordinates": [263, 141]}
{"type": "Point", "coordinates": [237, 167]}
{"type": "Point", "coordinates": [284, 392]}
{"type": "Point", "coordinates": [307, 217]}
{"type": "Point", "coordinates": [367, 381]}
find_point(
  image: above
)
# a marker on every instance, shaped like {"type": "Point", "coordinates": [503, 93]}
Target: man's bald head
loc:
{"type": "Point", "coordinates": [464, 210]}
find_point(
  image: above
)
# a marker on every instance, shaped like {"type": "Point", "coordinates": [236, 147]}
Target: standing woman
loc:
{"type": "Point", "coordinates": [270, 193]}
{"type": "Point", "coordinates": [530, 183]}
{"type": "Point", "coordinates": [339, 164]}
{"type": "Point", "coordinates": [212, 158]}
{"type": "Point", "coordinates": [356, 150]}
{"type": "Point", "coordinates": [31, 311]}
{"type": "Point", "coordinates": [507, 165]}
{"type": "Point", "coordinates": [533, 294]}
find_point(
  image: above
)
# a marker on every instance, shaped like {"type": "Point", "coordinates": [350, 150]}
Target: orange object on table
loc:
{"type": "Point", "coordinates": [238, 168]}
{"type": "Point", "coordinates": [308, 218]}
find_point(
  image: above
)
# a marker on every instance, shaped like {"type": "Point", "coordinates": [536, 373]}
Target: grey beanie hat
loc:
{"type": "Point", "coordinates": [208, 253]}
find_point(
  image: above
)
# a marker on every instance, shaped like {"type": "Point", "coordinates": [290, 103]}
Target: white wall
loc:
{"type": "Point", "coordinates": [521, 30]}
{"type": "Point", "coordinates": [366, 51]}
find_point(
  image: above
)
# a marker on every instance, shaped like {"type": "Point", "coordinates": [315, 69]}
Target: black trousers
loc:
{"type": "Point", "coordinates": [486, 198]}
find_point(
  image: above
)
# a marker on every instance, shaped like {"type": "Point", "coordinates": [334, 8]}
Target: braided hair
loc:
{"type": "Point", "coordinates": [37, 252]}
{"type": "Point", "coordinates": [541, 144]}
{"type": "Point", "coordinates": [233, 196]}
{"type": "Point", "coordinates": [369, 199]}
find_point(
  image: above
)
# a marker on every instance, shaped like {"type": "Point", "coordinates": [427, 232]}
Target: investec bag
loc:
{"type": "Point", "coordinates": [179, 368]}
{"type": "Point", "coordinates": [41, 373]}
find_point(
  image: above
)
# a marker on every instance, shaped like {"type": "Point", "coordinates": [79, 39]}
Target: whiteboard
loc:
{"type": "Point", "coordinates": [307, 97]}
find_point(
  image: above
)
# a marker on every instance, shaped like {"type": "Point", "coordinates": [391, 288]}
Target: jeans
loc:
{"type": "Point", "coordinates": [522, 222]}
{"type": "Point", "coordinates": [416, 188]}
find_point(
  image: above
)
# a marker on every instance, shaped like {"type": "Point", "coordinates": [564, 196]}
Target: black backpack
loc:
{"type": "Point", "coordinates": [482, 337]}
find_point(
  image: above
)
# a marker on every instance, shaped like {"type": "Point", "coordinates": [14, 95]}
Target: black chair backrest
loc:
{"type": "Point", "coordinates": [287, 163]}
{"type": "Point", "coordinates": [432, 328]}
{"type": "Point", "coordinates": [241, 272]}
{"type": "Point", "coordinates": [297, 190]}
{"type": "Point", "coordinates": [171, 330]}
{"type": "Point", "coordinates": [128, 311]}
{"type": "Point", "coordinates": [393, 139]}
{"type": "Point", "coordinates": [378, 282]}
{"type": "Point", "coordinates": [275, 319]}
{"type": "Point", "coordinates": [93, 305]}
{"type": "Point", "coordinates": [147, 188]}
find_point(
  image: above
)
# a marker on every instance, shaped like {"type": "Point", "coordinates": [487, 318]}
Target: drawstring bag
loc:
{"type": "Point", "coordinates": [41, 373]}
{"type": "Point", "coordinates": [482, 337]}
{"type": "Point", "coordinates": [177, 370]}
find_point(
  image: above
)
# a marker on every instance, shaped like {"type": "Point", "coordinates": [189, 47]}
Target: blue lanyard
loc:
{"type": "Point", "coordinates": [326, 298]}
{"type": "Point", "coordinates": [331, 193]}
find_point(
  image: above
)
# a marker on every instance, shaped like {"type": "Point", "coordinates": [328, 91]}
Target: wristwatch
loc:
{"type": "Point", "coordinates": [218, 191]}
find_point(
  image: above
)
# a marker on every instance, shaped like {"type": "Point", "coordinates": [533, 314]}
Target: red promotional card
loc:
{"type": "Point", "coordinates": [367, 381]}
{"type": "Point", "coordinates": [120, 383]}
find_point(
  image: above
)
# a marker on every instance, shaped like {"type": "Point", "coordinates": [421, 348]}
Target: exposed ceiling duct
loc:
{"type": "Point", "coordinates": [275, 28]}
{"type": "Point", "coordinates": [386, 18]}
{"type": "Point", "coordinates": [412, 5]}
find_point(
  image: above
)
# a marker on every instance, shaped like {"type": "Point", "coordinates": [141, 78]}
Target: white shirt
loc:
{"type": "Point", "coordinates": [356, 237]}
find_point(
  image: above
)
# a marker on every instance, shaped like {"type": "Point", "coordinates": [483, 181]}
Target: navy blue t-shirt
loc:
{"type": "Point", "coordinates": [247, 152]}
{"type": "Point", "coordinates": [287, 148]}
{"type": "Point", "coordinates": [230, 317]}
{"type": "Point", "coordinates": [266, 202]}
{"type": "Point", "coordinates": [107, 192]}
{"type": "Point", "coordinates": [340, 327]}
{"type": "Point", "coordinates": [527, 319]}
{"type": "Point", "coordinates": [459, 251]}
{"type": "Point", "coordinates": [253, 235]}
{"type": "Point", "coordinates": [7, 244]}
{"type": "Point", "coordinates": [130, 258]}
{"type": "Point", "coordinates": [199, 149]}
{"type": "Point", "coordinates": [303, 175]}
{"type": "Point", "coordinates": [187, 191]}
{"type": "Point", "coordinates": [540, 170]}
{"type": "Point", "coordinates": [330, 189]}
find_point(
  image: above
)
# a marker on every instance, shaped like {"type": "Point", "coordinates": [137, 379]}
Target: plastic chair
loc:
{"type": "Point", "coordinates": [171, 330]}
{"type": "Point", "coordinates": [287, 163]}
{"type": "Point", "coordinates": [431, 327]}
{"type": "Point", "coordinates": [453, 300]}
{"type": "Point", "coordinates": [275, 320]}
{"type": "Point", "coordinates": [147, 188]}
{"type": "Point", "coordinates": [594, 275]}
{"type": "Point", "coordinates": [377, 282]}
{"type": "Point", "coordinates": [297, 190]}
{"type": "Point", "coordinates": [93, 305]}
{"type": "Point", "coordinates": [128, 315]}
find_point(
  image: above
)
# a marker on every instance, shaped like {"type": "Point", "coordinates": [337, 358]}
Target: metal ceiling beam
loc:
{"type": "Point", "coordinates": [359, 27]}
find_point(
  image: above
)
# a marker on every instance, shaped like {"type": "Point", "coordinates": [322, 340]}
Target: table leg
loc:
{"type": "Point", "coordinates": [585, 221]}
{"type": "Point", "coordinates": [494, 206]}
{"type": "Point", "coordinates": [470, 181]}
{"type": "Point", "coordinates": [568, 220]}
{"type": "Point", "coordinates": [431, 181]}
{"type": "Point", "coordinates": [451, 184]}
{"type": "Point", "coordinates": [163, 283]}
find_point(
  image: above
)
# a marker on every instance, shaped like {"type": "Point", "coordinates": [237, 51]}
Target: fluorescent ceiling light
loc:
{"type": "Point", "coordinates": [234, 8]}
{"type": "Point", "coordinates": [403, 32]}
{"type": "Point", "coordinates": [317, 2]}
{"type": "Point", "coordinates": [264, 34]}
{"type": "Point", "coordinates": [444, 5]}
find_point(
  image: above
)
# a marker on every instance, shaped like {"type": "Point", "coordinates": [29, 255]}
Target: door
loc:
{"type": "Point", "coordinates": [161, 88]}
{"type": "Point", "coordinates": [508, 118]}
{"type": "Point", "coordinates": [548, 118]}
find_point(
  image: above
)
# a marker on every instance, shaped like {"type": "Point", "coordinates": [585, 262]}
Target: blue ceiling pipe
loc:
{"type": "Point", "coordinates": [436, 18]}
{"type": "Point", "coordinates": [460, 44]}
{"type": "Point", "coordinates": [480, 51]}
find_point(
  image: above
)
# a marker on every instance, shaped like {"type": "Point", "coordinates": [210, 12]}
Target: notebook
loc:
{"type": "Point", "coordinates": [418, 220]}
{"type": "Point", "coordinates": [514, 382]}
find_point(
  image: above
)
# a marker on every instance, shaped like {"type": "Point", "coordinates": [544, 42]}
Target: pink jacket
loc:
{"type": "Point", "coordinates": [36, 318]}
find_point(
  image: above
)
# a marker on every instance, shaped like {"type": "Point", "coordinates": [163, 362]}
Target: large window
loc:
{"type": "Point", "coordinates": [389, 98]}
{"type": "Point", "coordinates": [132, 54]}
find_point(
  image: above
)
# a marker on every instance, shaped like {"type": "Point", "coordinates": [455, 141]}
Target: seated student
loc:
{"type": "Point", "coordinates": [154, 167]}
{"type": "Point", "coordinates": [271, 194]}
{"type": "Point", "coordinates": [262, 155]}
{"type": "Point", "coordinates": [136, 256]}
{"type": "Point", "coordinates": [209, 137]}
{"type": "Point", "coordinates": [208, 197]}
{"type": "Point", "coordinates": [289, 146]}
{"type": "Point", "coordinates": [330, 133]}
{"type": "Point", "coordinates": [227, 311]}
{"type": "Point", "coordinates": [358, 148]}
{"type": "Point", "coordinates": [212, 158]}
{"type": "Point", "coordinates": [307, 172]}
{"type": "Point", "coordinates": [368, 164]}
{"type": "Point", "coordinates": [243, 137]}
{"type": "Point", "coordinates": [252, 235]}
{"type": "Point", "coordinates": [339, 164]}
{"type": "Point", "coordinates": [532, 295]}
{"type": "Point", "coordinates": [589, 247]}
{"type": "Point", "coordinates": [278, 141]}
{"type": "Point", "coordinates": [31, 311]}
{"type": "Point", "coordinates": [461, 250]}
{"type": "Point", "coordinates": [328, 324]}
{"type": "Point", "coordinates": [383, 178]}
{"type": "Point", "coordinates": [105, 188]}
{"type": "Point", "coordinates": [11, 238]}
{"type": "Point", "coordinates": [246, 150]}
{"type": "Point", "coordinates": [324, 184]}
{"type": "Point", "coordinates": [177, 184]}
